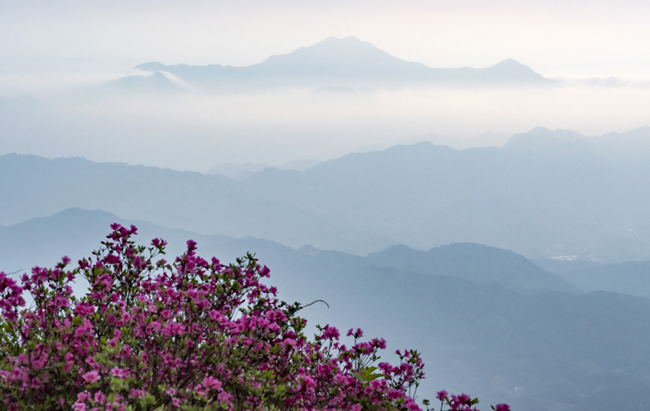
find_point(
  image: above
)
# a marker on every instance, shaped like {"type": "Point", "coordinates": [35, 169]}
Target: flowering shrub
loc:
{"type": "Point", "coordinates": [189, 335]}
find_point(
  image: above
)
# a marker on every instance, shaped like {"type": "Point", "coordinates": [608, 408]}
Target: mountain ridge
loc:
{"type": "Point", "coordinates": [548, 203]}
{"type": "Point", "coordinates": [446, 260]}
{"type": "Point", "coordinates": [338, 62]}
{"type": "Point", "coordinates": [463, 260]}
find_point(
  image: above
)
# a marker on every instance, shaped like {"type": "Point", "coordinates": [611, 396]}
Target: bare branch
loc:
{"type": "Point", "coordinates": [314, 302]}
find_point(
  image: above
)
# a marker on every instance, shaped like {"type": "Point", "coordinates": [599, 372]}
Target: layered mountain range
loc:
{"type": "Point", "coordinates": [552, 194]}
{"type": "Point", "coordinates": [347, 62]}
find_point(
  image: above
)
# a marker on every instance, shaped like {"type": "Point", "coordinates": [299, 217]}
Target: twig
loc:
{"type": "Point", "coordinates": [314, 302]}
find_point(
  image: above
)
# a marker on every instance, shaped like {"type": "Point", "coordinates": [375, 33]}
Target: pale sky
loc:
{"type": "Point", "coordinates": [554, 37]}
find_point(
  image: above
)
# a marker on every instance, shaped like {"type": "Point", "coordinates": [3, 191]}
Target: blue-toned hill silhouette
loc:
{"type": "Point", "coordinates": [347, 62]}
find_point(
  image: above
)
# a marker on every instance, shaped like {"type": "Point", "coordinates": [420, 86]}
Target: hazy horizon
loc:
{"type": "Point", "coordinates": [54, 103]}
{"type": "Point", "coordinates": [200, 131]}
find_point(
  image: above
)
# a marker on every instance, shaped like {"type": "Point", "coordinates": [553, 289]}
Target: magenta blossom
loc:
{"type": "Point", "coordinates": [149, 334]}
{"type": "Point", "coordinates": [91, 377]}
{"type": "Point", "coordinates": [191, 334]}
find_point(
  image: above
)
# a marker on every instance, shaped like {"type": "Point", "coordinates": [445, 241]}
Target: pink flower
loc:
{"type": "Point", "coordinates": [289, 342]}
{"type": "Point", "coordinates": [91, 377]}
{"type": "Point", "coordinates": [330, 333]}
{"type": "Point", "coordinates": [224, 397]}
{"type": "Point", "coordinates": [211, 383]}
{"type": "Point", "coordinates": [357, 334]}
{"type": "Point", "coordinates": [158, 243]}
{"type": "Point", "coordinates": [309, 382]}
{"type": "Point", "coordinates": [120, 373]}
{"type": "Point", "coordinates": [195, 321]}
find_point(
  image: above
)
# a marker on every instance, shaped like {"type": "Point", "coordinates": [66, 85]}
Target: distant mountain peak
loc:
{"type": "Point", "coordinates": [512, 65]}
{"type": "Point", "coordinates": [150, 66]}
{"type": "Point", "coordinates": [349, 61]}
{"type": "Point", "coordinates": [513, 71]}
{"type": "Point", "coordinates": [509, 62]}
{"type": "Point", "coordinates": [333, 41]}
{"type": "Point", "coordinates": [541, 140]}
{"type": "Point", "coordinates": [475, 262]}
{"type": "Point", "coordinates": [347, 54]}
{"type": "Point", "coordinates": [348, 39]}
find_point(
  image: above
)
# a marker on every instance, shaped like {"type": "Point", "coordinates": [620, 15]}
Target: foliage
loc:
{"type": "Point", "coordinates": [189, 335]}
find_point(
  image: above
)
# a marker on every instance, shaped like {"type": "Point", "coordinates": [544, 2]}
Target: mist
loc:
{"type": "Point", "coordinates": [196, 131]}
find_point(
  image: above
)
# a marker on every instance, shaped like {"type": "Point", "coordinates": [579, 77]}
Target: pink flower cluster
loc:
{"type": "Point", "coordinates": [461, 402]}
{"type": "Point", "coordinates": [192, 334]}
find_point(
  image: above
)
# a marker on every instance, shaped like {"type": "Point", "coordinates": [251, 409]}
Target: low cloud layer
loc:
{"type": "Point", "coordinates": [196, 131]}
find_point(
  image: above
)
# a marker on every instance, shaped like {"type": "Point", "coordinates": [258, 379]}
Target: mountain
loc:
{"type": "Point", "coordinates": [538, 196]}
{"type": "Point", "coordinates": [347, 62]}
{"type": "Point", "coordinates": [77, 231]}
{"type": "Point", "coordinates": [541, 141]}
{"type": "Point", "coordinates": [564, 265]}
{"type": "Point", "coordinates": [630, 277]}
{"type": "Point", "coordinates": [155, 82]}
{"type": "Point", "coordinates": [477, 263]}
{"type": "Point", "coordinates": [631, 146]}
{"type": "Point", "coordinates": [628, 147]}
{"type": "Point", "coordinates": [244, 170]}
{"type": "Point", "coordinates": [483, 140]}
{"type": "Point", "coordinates": [208, 203]}
{"type": "Point", "coordinates": [236, 170]}
{"type": "Point", "coordinates": [541, 351]}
